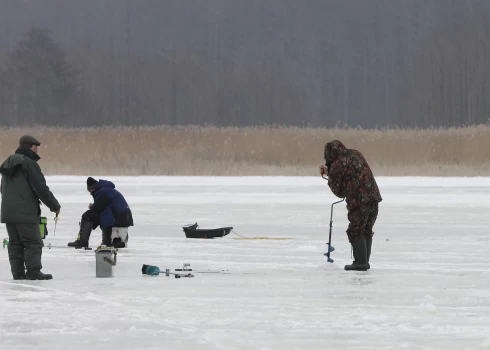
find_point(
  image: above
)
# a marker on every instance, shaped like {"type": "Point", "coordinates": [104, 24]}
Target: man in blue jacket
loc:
{"type": "Point", "coordinates": [110, 211]}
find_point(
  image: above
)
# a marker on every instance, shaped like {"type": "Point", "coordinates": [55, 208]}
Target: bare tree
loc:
{"type": "Point", "coordinates": [38, 85]}
{"type": "Point", "coordinates": [246, 62]}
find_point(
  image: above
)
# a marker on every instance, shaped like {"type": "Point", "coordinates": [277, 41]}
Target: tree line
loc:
{"type": "Point", "coordinates": [376, 63]}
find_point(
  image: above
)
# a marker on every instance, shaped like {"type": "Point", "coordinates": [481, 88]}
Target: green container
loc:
{"type": "Point", "coordinates": [43, 227]}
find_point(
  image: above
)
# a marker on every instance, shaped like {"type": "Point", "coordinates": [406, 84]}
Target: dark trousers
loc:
{"type": "Point", "coordinates": [361, 221]}
{"type": "Point", "coordinates": [93, 217]}
{"type": "Point", "coordinates": [25, 247]}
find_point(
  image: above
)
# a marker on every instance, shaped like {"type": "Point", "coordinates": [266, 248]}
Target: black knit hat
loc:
{"type": "Point", "coordinates": [91, 183]}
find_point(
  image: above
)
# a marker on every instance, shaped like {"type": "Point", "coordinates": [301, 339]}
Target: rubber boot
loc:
{"type": "Point", "coordinates": [38, 275]}
{"type": "Point", "coordinates": [369, 242]}
{"type": "Point", "coordinates": [16, 258]}
{"type": "Point", "coordinates": [118, 243]}
{"type": "Point", "coordinates": [360, 256]}
{"type": "Point", "coordinates": [19, 276]}
{"type": "Point", "coordinates": [107, 236]}
{"type": "Point", "coordinates": [83, 235]}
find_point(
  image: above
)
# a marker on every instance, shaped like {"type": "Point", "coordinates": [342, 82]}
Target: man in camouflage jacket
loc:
{"type": "Point", "coordinates": [350, 177]}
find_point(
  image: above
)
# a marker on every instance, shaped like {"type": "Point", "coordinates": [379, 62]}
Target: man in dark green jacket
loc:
{"type": "Point", "coordinates": [23, 186]}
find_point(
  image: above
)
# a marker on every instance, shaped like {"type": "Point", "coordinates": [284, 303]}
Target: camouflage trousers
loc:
{"type": "Point", "coordinates": [361, 221]}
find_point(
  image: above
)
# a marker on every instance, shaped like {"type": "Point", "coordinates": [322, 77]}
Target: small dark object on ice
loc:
{"type": "Point", "coordinates": [193, 231]}
{"type": "Point", "coordinates": [177, 275]}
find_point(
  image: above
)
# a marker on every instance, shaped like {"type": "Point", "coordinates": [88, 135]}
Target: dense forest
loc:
{"type": "Point", "coordinates": [376, 63]}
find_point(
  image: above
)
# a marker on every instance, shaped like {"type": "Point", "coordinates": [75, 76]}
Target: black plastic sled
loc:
{"type": "Point", "coordinates": [193, 231]}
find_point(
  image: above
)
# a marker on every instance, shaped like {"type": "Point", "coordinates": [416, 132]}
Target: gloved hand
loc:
{"type": "Point", "coordinates": [150, 270]}
{"type": "Point", "coordinates": [323, 170]}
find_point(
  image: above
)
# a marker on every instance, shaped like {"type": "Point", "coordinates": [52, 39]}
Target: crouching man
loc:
{"type": "Point", "coordinates": [350, 177]}
{"type": "Point", "coordinates": [110, 211]}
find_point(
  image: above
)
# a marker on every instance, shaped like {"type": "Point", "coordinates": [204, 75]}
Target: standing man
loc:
{"type": "Point", "coordinates": [350, 177]}
{"type": "Point", "coordinates": [23, 187]}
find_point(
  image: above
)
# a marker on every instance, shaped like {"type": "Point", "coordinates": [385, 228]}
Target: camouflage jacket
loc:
{"type": "Point", "coordinates": [349, 175]}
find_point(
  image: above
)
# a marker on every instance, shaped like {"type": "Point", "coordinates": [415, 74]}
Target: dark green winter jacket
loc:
{"type": "Point", "coordinates": [23, 186]}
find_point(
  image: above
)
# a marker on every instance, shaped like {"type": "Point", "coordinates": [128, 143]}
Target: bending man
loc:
{"type": "Point", "coordinates": [350, 177]}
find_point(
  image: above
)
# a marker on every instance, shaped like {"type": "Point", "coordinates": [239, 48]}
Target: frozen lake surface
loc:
{"type": "Point", "coordinates": [428, 287]}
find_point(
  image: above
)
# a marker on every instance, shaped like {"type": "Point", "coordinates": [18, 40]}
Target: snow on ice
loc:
{"type": "Point", "coordinates": [428, 287]}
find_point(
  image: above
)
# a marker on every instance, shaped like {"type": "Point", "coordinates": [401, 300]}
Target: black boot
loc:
{"type": "Point", "coordinates": [360, 256]}
{"type": "Point", "coordinates": [16, 258]}
{"type": "Point", "coordinates": [19, 276]}
{"type": "Point", "coordinates": [38, 275]}
{"type": "Point", "coordinates": [83, 235]}
{"type": "Point", "coordinates": [107, 236]}
{"type": "Point", "coordinates": [369, 242]}
{"type": "Point", "coordinates": [118, 243]}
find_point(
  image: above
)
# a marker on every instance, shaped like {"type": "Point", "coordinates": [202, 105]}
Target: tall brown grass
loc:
{"type": "Point", "coordinates": [251, 151]}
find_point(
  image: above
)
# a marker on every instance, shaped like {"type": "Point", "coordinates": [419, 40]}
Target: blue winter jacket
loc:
{"type": "Point", "coordinates": [111, 206]}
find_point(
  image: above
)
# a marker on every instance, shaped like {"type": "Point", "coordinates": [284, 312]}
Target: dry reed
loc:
{"type": "Point", "coordinates": [193, 150]}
